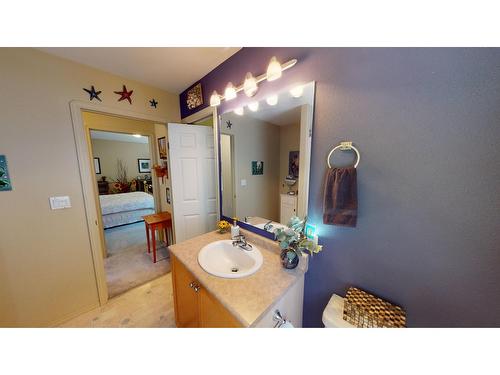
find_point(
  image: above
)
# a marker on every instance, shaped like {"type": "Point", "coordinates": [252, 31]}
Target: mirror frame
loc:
{"type": "Point", "coordinates": [242, 224]}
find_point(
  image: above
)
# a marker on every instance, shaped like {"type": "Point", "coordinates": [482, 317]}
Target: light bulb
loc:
{"type": "Point", "coordinates": [214, 99]}
{"type": "Point", "coordinates": [239, 111]}
{"type": "Point", "coordinates": [254, 106]}
{"type": "Point", "coordinates": [297, 91]}
{"type": "Point", "coordinates": [230, 92]}
{"type": "Point", "coordinates": [272, 100]}
{"type": "Point", "coordinates": [250, 85]}
{"type": "Point", "coordinates": [273, 69]}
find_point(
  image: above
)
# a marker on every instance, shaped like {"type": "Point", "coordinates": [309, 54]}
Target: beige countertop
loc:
{"type": "Point", "coordinates": [248, 298]}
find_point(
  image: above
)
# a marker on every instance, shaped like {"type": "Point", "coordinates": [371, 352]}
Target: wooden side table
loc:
{"type": "Point", "coordinates": [159, 221]}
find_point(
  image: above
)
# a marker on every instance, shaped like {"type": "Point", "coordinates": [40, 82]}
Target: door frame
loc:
{"type": "Point", "coordinates": [87, 178]}
{"type": "Point", "coordinates": [233, 177]}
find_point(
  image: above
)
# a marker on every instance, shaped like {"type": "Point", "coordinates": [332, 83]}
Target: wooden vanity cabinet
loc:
{"type": "Point", "coordinates": [194, 306]}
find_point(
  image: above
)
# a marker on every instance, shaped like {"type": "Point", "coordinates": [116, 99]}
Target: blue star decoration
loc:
{"type": "Point", "coordinates": [153, 103]}
{"type": "Point", "coordinates": [93, 94]}
{"type": "Point", "coordinates": [229, 124]}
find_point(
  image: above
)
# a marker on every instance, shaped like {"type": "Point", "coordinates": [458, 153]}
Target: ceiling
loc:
{"type": "Point", "coordinates": [169, 68]}
{"type": "Point", "coordinates": [122, 137]}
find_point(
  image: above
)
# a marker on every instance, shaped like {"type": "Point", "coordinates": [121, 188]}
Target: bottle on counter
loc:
{"type": "Point", "coordinates": [235, 229]}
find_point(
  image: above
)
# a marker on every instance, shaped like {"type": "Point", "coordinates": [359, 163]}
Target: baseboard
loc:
{"type": "Point", "coordinates": [68, 317]}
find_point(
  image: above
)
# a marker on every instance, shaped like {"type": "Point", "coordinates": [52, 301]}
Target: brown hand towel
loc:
{"type": "Point", "coordinates": [340, 203]}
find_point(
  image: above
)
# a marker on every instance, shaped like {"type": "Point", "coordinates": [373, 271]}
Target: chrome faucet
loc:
{"type": "Point", "coordinates": [241, 241]}
{"type": "Point", "coordinates": [268, 225]}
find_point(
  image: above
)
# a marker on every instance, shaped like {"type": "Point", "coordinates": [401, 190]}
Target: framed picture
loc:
{"type": "Point", "coordinates": [5, 183]}
{"type": "Point", "coordinates": [293, 164]}
{"type": "Point", "coordinates": [194, 97]}
{"type": "Point", "coordinates": [144, 165]}
{"type": "Point", "coordinates": [257, 167]}
{"type": "Point", "coordinates": [162, 147]}
{"type": "Point", "coordinates": [97, 165]}
{"type": "Point", "coordinates": [168, 195]}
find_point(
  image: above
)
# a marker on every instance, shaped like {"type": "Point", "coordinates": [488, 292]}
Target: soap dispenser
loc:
{"type": "Point", "coordinates": [235, 229]}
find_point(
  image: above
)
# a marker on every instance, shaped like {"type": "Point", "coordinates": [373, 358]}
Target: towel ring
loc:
{"type": "Point", "coordinates": [344, 146]}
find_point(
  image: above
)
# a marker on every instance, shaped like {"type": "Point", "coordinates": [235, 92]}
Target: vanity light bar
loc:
{"type": "Point", "coordinates": [258, 79]}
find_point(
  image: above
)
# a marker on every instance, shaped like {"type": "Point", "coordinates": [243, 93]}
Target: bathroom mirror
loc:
{"type": "Point", "coordinates": [264, 156]}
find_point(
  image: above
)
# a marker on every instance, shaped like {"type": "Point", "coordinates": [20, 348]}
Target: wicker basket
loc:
{"type": "Point", "coordinates": [367, 311]}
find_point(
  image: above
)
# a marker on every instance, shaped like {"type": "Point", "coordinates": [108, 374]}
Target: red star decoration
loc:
{"type": "Point", "coordinates": [125, 94]}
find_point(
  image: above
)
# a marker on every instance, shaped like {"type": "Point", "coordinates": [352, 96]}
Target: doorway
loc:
{"type": "Point", "coordinates": [123, 173]}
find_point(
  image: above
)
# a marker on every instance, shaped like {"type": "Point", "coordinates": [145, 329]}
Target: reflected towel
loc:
{"type": "Point", "coordinates": [340, 201]}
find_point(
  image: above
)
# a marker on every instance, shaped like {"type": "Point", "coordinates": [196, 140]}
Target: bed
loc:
{"type": "Point", "coordinates": [125, 208]}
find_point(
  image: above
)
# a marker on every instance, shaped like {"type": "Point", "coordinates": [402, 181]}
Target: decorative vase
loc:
{"type": "Point", "coordinates": [289, 258]}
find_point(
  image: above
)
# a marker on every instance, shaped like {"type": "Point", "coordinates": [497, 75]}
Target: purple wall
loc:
{"type": "Point", "coordinates": [427, 124]}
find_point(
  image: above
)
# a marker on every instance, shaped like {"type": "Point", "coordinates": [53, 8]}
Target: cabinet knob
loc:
{"type": "Point", "coordinates": [192, 284]}
{"type": "Point", "coordinates": [196, 288]}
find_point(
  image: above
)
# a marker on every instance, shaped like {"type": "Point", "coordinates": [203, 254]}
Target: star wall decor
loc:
{"type": "Point", "coordinates": [93, 94]}
{"type": "Point", "coordinates": [229, 124]}
{"type": "Point", "coordinates": [125, 94]}
{"type": "Point", "coordinates": [153, 103]}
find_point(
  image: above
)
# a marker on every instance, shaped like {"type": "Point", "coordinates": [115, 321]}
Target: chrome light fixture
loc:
{"type": "Point", "coordinates": [214, 99]}
{"type": "Point", "coordinates": [230, 92]}
{"type": "Point", "coordinates": [273, 69]}
{"type": "Point", "coordinates": [250, 85]}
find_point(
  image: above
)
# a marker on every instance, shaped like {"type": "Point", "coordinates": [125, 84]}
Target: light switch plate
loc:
{"type": "Point", "coordinates": [58, 203]}
{"type": "Point", "coordinates": [243, 182]}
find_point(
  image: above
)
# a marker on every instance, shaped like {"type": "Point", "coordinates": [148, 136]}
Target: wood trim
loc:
{"type": "Point", "coordinates": [306, 126]}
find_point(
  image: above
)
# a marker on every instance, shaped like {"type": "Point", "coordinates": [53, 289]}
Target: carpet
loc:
{"type": "Point", "coordinates": [128, 263]}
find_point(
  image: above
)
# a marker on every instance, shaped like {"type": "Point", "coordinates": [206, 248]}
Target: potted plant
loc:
{"type": "Point", "coordinates": [293, 242]}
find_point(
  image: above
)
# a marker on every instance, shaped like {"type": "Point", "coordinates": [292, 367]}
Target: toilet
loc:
{"type": "Point", "coordinates": [332, 315]}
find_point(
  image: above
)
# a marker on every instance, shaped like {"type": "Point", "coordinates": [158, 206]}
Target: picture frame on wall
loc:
{"type": "Point", "coordinates": [5, 182]}
{"type": "Point", "coordinates": [97, 165]}
{"type": "Point", "coordinates": [162, 147]}
{"type": "Point", "coordinates": [144, 165]}
{"type": "Point", "coordinates": [257, 167]}
{"type": "Point", "coordinates": [194, 96]}
{"type": "Point", "coordinates": [293, 163]}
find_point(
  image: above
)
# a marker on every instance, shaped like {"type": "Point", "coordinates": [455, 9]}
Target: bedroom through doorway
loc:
{"type": "Point", "coordinates": [122, 165]}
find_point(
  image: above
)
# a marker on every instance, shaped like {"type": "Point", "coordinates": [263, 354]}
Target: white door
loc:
{"type": "Point", "coordinates": [193, 177]}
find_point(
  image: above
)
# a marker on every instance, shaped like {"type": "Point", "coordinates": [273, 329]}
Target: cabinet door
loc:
{"type": "Point", "coordinates": [213, 314]}
{"type": "Point", "coordinates": [185, 298]}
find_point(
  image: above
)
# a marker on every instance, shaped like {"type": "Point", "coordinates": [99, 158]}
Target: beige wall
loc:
{"type": "Point", "coordinates": [109, 152]}
{"type": "Point", "coordinates": [289, 141]}
{"type": "Point", "coordinates": [46, 269]}
{"type": "Point", "coordinates": [255, 140]}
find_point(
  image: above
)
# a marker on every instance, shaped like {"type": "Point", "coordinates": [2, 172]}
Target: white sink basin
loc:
{"type": "Point", "coordinates": [221, 258]}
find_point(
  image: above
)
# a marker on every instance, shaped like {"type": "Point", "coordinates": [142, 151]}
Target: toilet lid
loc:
{"type": "Point", "coordinates": [332, 315]}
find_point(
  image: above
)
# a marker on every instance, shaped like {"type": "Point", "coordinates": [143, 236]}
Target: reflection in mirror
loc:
{"type": "Point", "coordinates": [265, 157]}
